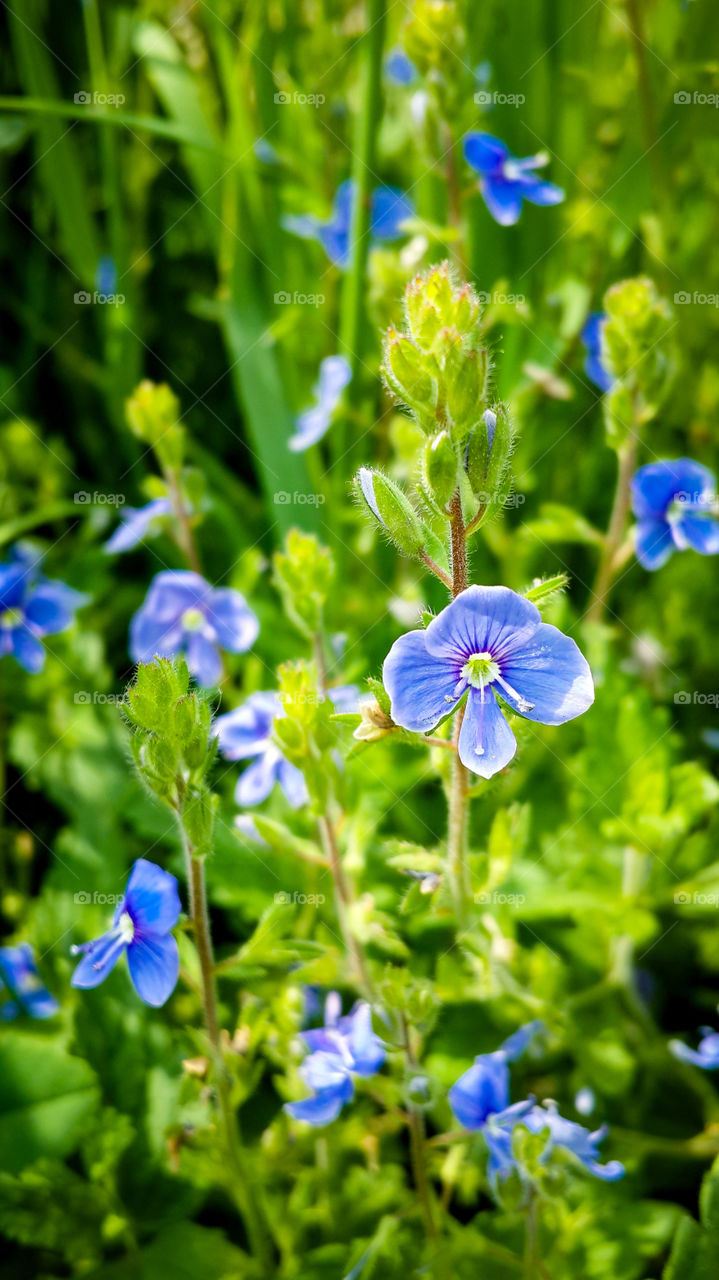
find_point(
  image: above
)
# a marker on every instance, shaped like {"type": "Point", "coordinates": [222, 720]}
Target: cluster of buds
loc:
{"type": "Point", "coordinates": [438, 367]}
{"type": "Point", "coordinates": [636, 354]}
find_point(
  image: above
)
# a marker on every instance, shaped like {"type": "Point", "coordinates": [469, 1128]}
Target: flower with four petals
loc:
{"type": "Point", "coordinates": [673, 502]}
{"type": "Point", "coordinates": [505, 181]}
{"type": "Point", "coordinates": [182, 613]}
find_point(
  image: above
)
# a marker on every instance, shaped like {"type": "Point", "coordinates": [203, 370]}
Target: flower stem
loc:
{"type": "Point", "coordinates": [343, 900]}
{"type": "Point", "coordinates": [257, 1230]}
{"type": "Point", "coordinates": [459, 781]}
{"type": "Point", "coordinates": [609, 562]}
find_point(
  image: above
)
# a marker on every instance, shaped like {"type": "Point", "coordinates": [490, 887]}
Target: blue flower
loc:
{"type": "Point", "coordinates": [488, 642]}
{"type": "Point", "coordinates": [32, 606]}
{"type": "Point", "coordinates": [483, 1090]}
{"type": "Point", "coordinates": [28, 994]}
{"type": "Point", "coordinates": [344, 1048]}
{"type": "Point", "coordinates": [672, 501]}
{"type": "Point", "coordinates": [246, 734]}
{"type": "Point", "coordinates": [594, 366]}
{"type": "Point", "coordinates": [335, 374]}
{"type": "Point", "coordinates": [183, 614]}
{"type": "Point", "coordinates": [140, 927]}
{"type": "Point", "coordinates": [399, 69]}
{"type": "Point", "coordinates": [135, 524]}
{"type": "Point", "coordinates": [390, 207]}
{"type": "Point", "coordinates": [705, 1056]}
{"type": "Point", "coordinates": [106, 275]}
{"type": "Point", "coordinates": [506, 181]}
{"type": "Point", "coordinates": [571, 1137]}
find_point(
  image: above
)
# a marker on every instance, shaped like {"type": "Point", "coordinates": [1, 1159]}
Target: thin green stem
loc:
{"type": "Point", "coordinates": [183, 525]}
{"type": "Point", "coordinates": [257, 1231]}
{"type": "Point", "coordinates": [614, 539]}
{"type": "Point", "coordinates": [343, 902]}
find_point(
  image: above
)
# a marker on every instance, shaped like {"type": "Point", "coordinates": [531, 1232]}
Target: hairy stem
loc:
{"type": "Point", "coordinates": [343, 902]}
{"type": "Point", "coordinates": [614, 539]}
{"type": "Point", "coordinates": [435, 569]}
{"type": "Point", "coordinates": [241, 1183]}
{"type": "Point", "coordinates": [459, 781]}
{"type": "Point", "coordinates": [185, 535]}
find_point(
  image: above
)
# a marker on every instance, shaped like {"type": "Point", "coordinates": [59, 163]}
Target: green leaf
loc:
{"type": "Point", "coordinates": [47, 1098]}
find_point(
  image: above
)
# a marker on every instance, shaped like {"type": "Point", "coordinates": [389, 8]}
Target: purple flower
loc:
{"type": "Point", "coordinates": [183, 614]}
{"type": "Point", "coordinates": [344, 1048]}
{"type": "Point", "coordinates": [246, 734]}
{"type": "Point", "coordinates": [705, 1056]}
{"type": "Point", "coordinates": [390, 207]}
{"type": "Point", "coordinates": [28, 994]}
{"type": "Point", "coordinates": [594, 366]}
{"type": "Point", "coordinates": [140, 927]}
{"type": "Point", "coordinates": [483, 1090]}
{"type": "Point", "coordinates": [335, 374]}
{"type": "Point", "coordinates": [506, 181]}
{"type": "Point", "coordinates": [488, 642]}
{"type": "Point", "coordinates": [137, 523]}
{"type": "Point", "coordinates": [32, 606]}
{"type": "Point", "coordinates": [672, 501]}
{"type": "Point", "coordinates": [571, 1137]}
{"type": "Point", "coordinates": [399, 69]}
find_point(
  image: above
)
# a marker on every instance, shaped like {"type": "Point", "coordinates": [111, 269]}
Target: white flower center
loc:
{"type": "Point", "coordinates": [193, 620]}
{"type": "Point", "coordinates": [126, 927]}
{"type": "Point", "coordinates": [10, 618]}
{"type": "Point", "coordinates": [480, 669]}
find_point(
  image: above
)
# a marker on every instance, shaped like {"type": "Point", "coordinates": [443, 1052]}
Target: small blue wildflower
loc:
{"type": "Point", "coordinates": [594, 366]}
{"type": "Point", "coordinates": [335, 374]}
{"type": "Point", "coordinates": [705, 1056]}
{"type": "Point", "coordinates": [506, 181]}
{"type": "Point", "coordinates": [489, 642]}
{"type": "Point", "coordinates": [399, 69]}
{"type": "Point", "coordinates": [32, 606]}
{"type": "Point", "coordinates": [344, 1048]}
{"type": "Point", "coordinates": [246, 734]}
{"type": "Point", "coordinates": [571, 1137]}
{"type": "Point", "coordinates": [106, 275]}
{"type": "Point", "coordinates": [26, 990]}
{"type": "Point", "coordinates": [390, 207]}
{"type": "Point", "coordinates": [483, 1090]}
{"type": "Point", "coordinates": [137, 523]}
{"type": "Point", "coordinates": [673, 501]}
{"type": "Point", "coordinates": [140, 927]}
{"type": "Point", "coordinates": [182, 613]}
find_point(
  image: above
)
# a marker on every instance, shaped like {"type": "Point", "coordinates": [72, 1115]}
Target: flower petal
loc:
{"type": "Point", "coordinates": [51, 607]}
{"type": "Point", "coordinates": [482, 619]}
{"type": "Point", "coordinates": [390, 209]}
{"type": "Point", "coordinates": [483, 152]}
{"type": "Point", "coordinates": [481, 1091]}
{"type": "Point", "coordinates": [552, 674]}
{"type": "Point", "coordinates": [236, 625]}
{"type": "Point", "coordinates": [658, 484]}
{"type": "Point", "coordinates": [256, 783]}
{"type": "Point", "coordinates": [324, 1106]}
{"type": "Point", "coordinates": [697, 533]}
{"type": "Point", "coordinates": [542, 193]}
{"type": "Point", "coordinates": [653, 543]}
{"type": "Point", "coordinates": [27, 650]}
{"type": "Point", "coordinates": [420, 685]}
{"type": "Point", "coordinates": [293, 783]}
{"type": "Point", "coordinates": [203, 659]}
{"type": "Point", "coordinates": [151, 898]}
{"type": "Point", "coordinates": [503, 199]}
{"type": "Point", "coordinates": [244, 732]}
{"type": "Point", "coordinates": [101, 956]}
{"type": "Point", "coordinates": [154, 964]}
{"type": "Point", "coordinates": [135, 524]}
{"type": "Point", "coordinates": [486, 742]}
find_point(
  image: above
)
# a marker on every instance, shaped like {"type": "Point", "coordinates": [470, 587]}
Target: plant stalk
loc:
{"type": "Point", "coordinates": [614, 539]}
{"type": "Point", "coordinates": [459, 781]}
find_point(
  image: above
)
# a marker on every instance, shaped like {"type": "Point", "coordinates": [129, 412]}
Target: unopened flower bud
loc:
{"type": "Point", "coordinates": [406, 374]}
{"type": "Point", "coordinates": [391, 509]}
{"type": "Point", "coordinates": [375, 722]}
{"type": "Point", "coordinates": [441, 468]}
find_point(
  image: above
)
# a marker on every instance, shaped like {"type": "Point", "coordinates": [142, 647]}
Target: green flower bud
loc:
{"type": "Point", "coordinates": [441, 468]}
{"type": "Point", "coordinates": [152, 413]}
{"type": "Point", "coordinates": [198, 818]}
{"type": "Point", "coordinates": [499, 433]}
{"type": "Point", "coordinates": [406, 374]}
{"type": "Point", "coordinates": [465, 390]}
{"type": "Point", "coordinates": [391, 509]}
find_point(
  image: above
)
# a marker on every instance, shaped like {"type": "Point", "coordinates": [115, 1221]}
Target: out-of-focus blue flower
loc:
{"type": "Point", "coordinates": [571, 1137]}
{"type": "Point", "coordinates": [182, 613]}
{"type": "Point", "coordinates": [594, 366]}
{"type": "Point", "coordinates": [264, 151]}
{"type": "Point", "coordinates": [505, 181]}
{"type": "Point", "coordinates": [344, 1048]}
{"type": "Point", "coordinates": [32, 606]}
{"type": "Point", "coordinates": [399, 69]}
{"type": "Point", "coordinates": [106, 275]}
{"type": "Point", "coordinates": [140, 927]}
{"type": "Point", "coordinates": [136, 523]}
{"type": "Point", "coordinates": [26, 991]}
{"type": "Point", "coordinates": [246, 734]}
{"type": "Point", "coordinates": [483, 1090]}
{"type": "Point", "coordinates": [335, 374]}
{"type": "Point", "coordinates": [488, 642]}
{"type": "Point", "coordinates": [706, 1055]}
{"type": "Point", "coordinates": [390, 207]}
{"type": "Point", "coordinates": [673, 501]}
